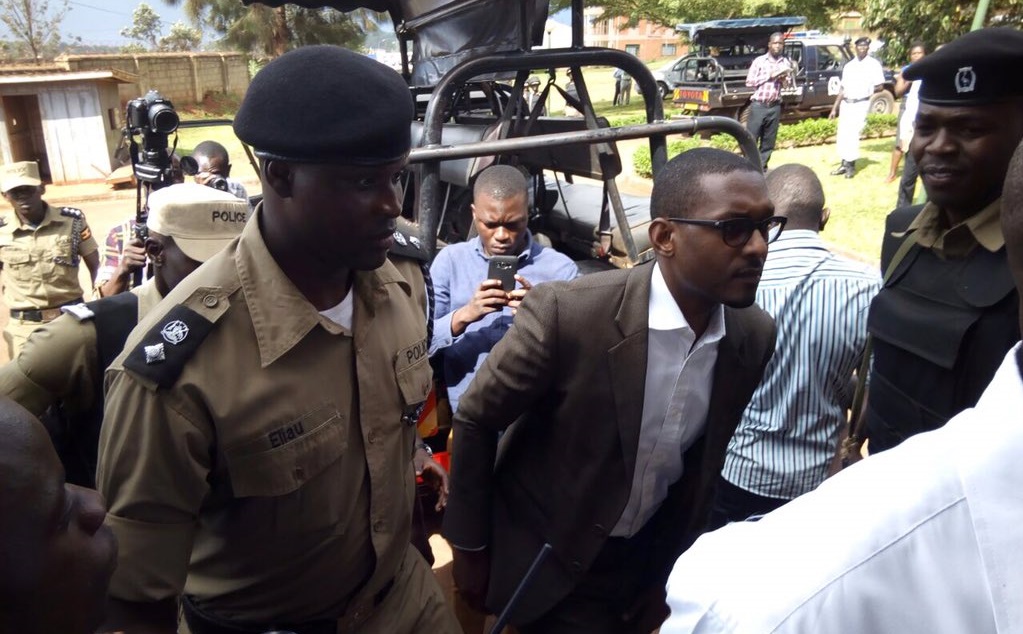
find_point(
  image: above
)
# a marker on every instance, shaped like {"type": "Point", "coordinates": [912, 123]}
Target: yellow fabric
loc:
{"type": "Point", "coordinates": [983, 228]}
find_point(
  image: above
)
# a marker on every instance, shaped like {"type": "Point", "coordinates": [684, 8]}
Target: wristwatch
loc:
{"type": "Point", "coordinates": [425, 447]}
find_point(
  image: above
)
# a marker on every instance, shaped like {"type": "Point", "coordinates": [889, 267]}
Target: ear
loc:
{"type": "Point", "coordinates": [279, 175]}
{"type": "Point", "coordinates": [661, 232]}
{"type": "Point", "coordinates": [153, 248]}
{"type": "Point", "coordinates": [825, 215]}
{"type": "Point", "coordinates": [472, 207]}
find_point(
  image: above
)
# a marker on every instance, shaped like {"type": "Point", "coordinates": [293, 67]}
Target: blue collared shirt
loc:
{"type": "Point", "coordinates": [457, 272]}
{"type": "Point", "coordinates": [789, 432]}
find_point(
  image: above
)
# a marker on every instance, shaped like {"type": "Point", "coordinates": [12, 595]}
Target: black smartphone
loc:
{"type": "Point", "coordinates": [503, 267]}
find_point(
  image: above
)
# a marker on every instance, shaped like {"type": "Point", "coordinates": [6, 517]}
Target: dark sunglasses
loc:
{"type": "Point", "coordinates": [736, 232]}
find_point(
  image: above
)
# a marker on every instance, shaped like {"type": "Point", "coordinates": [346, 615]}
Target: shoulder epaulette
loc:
{"type": "Point", "coordinates": [161, 355]}
{"type": "Point", "coordinates": [408, 245]}
{"type": "Point", "coordinates": [81, 312]}
{"type": "Point", "coordinates": [71, 212]}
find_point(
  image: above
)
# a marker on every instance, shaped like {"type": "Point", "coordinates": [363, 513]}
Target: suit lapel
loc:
{"type": "Point", "coordinates": [722, 401]}
{"type": "Point", "coordinates": [628, 362]}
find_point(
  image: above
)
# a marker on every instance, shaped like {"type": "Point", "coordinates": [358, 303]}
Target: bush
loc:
{"type": "Point", "coordinates": [800, 134]}
{"type": "Point", "coordinates": [619, 120]}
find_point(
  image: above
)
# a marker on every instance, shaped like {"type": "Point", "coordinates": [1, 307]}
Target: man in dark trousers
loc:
{"type": "Point", "coordinates": [624, 388]}
{"type": "Point", "coordinates": [768, 74]}
{"type": "Point", "coordinates": [949, 311]}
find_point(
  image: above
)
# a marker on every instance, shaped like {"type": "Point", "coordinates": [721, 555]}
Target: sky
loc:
{"type": "Point", "coordinates": [101, 21]}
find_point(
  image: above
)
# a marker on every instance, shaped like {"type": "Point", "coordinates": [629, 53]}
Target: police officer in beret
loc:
{"type": "Point", "coordinates": [259, 428]}
{"type": "Point", "coordinates": [949, 311]}
{"type": "Point", "coordinates": [63, 361]}
{"type": "Point", "coordinates": [41, 248]}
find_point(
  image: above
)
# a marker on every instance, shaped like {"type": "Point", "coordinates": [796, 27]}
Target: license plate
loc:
{"type": "Point", "coordinates": [690, 106]}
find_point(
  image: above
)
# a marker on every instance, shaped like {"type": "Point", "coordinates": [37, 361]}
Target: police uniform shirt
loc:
{"type": "Point", "coordinates": [256, 472]}
{"type": "Point", "coordinates": [60, 361]}
{"type": "Point", "coordinates": [37, 262]}
{"type": "Point", "coordinates": [859, 77]}
{"type": "Point", "coordinates": [983, 228]}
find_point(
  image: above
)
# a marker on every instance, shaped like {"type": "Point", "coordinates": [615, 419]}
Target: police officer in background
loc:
{"type": "Point", "coordinates": [949, 311]}
{"type": "Point", "coordinates": [259, 428]}
{"type": "Point", "coordinates": [40, 250]}
{"type": "Point", "coordinates": [63, 361]}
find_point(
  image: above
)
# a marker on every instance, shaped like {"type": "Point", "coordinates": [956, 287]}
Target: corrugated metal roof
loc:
{"type": "Point", "coordinates": [115, 76]}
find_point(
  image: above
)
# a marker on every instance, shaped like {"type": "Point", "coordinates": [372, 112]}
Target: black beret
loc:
{"type": "Point", "coordinates": [978, 68]}
{"type": "Point", "coordinates": [326, 104]}
{"type": "Point", "coordinates": [862, 40]}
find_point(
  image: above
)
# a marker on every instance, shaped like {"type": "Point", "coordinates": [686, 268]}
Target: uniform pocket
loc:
{"type": "Point", "coordinates": [289, 456]}
{"type": "Point", "coordinates": [415, 382]}
{"type": "Point", "coordinates": [17, 262]}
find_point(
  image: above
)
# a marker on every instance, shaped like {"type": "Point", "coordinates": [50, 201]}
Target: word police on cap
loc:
{"type": "Point", "coordinates": [229, 216]}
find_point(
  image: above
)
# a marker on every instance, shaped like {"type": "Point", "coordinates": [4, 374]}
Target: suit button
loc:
{"type": "Point", "coordinates": [577, 566]}
{"type": "Point", "coordinates": [599, 530]}
{"type": "Point", "coordinates": [379, 526]}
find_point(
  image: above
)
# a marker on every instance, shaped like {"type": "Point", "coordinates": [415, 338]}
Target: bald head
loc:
{"type": "Point", "coordinates": [798, 195]}
{"type": "Point", "coordinates": [55, 554]}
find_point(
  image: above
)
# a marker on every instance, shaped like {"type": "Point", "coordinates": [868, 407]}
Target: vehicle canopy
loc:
{"type": "Point", "coordinates": [444, 33]}
{"type": "Point", "coordinates": [753, 32]}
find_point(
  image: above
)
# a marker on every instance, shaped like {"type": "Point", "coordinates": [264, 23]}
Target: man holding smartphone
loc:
{"type": "Point", "coordinates": [474, 307]}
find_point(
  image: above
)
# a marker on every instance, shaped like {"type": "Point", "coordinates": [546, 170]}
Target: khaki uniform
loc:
{"type": "Point", "coordinates": [60, 361]}
{"type": "Point", "coordinates": [39, 269]}
{"type": "Point", "coordinates": [263, 467]}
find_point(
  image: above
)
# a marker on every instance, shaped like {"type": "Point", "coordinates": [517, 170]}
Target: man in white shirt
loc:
{"type": "Point", "coordinates": [624, 388]}
{"type": "Point", "coordinates": [861, 77]}
{"type": "Point", "coordinates": [923, 538]}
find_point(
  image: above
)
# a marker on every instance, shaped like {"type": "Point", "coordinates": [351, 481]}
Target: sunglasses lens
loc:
{"type": "Point", "coordinates": [773, 230]}
{"type": "Point", "coordinates": [737, 231]}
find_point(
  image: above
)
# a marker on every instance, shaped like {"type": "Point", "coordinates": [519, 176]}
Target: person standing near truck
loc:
{"type": "Point", "coordinates": [860, 78]}
{"type": "Point", "coordinates": [769, 74]}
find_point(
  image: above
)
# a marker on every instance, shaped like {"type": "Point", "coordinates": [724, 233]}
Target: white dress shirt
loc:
{"type": "Point", "coordinates": [676, 396]}
{"type": "Point", "coordinates": [923, 538]}
{"type": "Point", "coordinates": [860, 76]}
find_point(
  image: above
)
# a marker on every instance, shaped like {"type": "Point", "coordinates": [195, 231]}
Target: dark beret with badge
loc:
{"type": "Point", "coordinates": [326, 104]}
{"type": "Point", "coordinates": [979, 68]}
{"type": "Point", "coordinates": [861, 41]}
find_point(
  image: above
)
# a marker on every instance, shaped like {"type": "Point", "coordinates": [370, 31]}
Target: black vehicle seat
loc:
{"type": "Point", "coordinates": [460, 172]}
{"type": "Point", "coordinates": [576, 214]}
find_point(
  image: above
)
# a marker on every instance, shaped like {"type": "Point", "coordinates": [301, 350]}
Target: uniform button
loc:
{"type": "Point", "coordinates": [210, 301]}
{"type": "Point", "coordinates": [372, 436]}
{"type": "Point", "coordinates": [379, 526]}
{"type": "Point", "coordinates": [599, 530]}
{"type": "Point", "coordinates": [299, 473]}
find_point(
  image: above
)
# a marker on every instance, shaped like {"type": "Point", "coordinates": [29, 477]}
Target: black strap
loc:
{"type": "Point", "coordinates": [116, 316]}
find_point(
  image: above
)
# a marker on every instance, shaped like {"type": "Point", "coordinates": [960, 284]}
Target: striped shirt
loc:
{"type": "Point", "coordinates": [789, 432]}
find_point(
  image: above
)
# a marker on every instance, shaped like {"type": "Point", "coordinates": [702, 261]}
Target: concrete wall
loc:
{"type": "Point", "coordinates": [184, 78]}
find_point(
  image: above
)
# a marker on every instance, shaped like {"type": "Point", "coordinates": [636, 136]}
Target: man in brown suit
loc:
{"type": "Point", "coordinates": [625, 388]}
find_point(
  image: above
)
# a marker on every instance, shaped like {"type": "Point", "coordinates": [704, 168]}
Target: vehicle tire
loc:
{"type": "Point", "coordinates": [882, 102]}
{"type": "Point", "coordinates": [663, 90]}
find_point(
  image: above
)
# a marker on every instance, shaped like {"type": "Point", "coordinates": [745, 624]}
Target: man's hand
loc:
{"type": "Point", "coordinates": [488, 298]}
{"type": "Point", "coordinates": [515, 297]}
{"type": "Point", "coordinates": [832, 114]}
{"type": "Point", "coordinates": [471, 573]}
{"type": "Point", "coordinates": [133, 258]}
{"type": "Point", "coordinates": [433, 474]}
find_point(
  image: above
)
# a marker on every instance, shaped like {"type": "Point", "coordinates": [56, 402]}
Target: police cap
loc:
{"type": "Point", "coordinates": [862, 40]}
{"type": "Point", "coordinates": [978, 68]}
{"type": "Point", "coordinates": [326, 104]}
{"type": "Point", "coordinates": [202, 220]}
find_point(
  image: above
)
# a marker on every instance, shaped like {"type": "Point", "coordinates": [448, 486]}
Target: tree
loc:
{"type": "Point", "coordinates": [272, 31]}
{"type": "Point", "coordinates": [898, 24]}
{"type": "Point", "coordinates": [33, 23]}
{"type": "Point", "coordinates": [145, 26]}
{"type": "Point", "coordinates": [181, 38]}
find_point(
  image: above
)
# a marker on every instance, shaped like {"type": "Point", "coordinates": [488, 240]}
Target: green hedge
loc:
{"type": "Point", "coordinates": [803, 133]}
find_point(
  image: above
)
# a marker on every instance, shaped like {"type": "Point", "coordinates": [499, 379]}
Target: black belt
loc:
{"type": "Point", "coordinates": [856, 100]}
{"type": "Point", "coordinates": [40, 314]}
{"type": "Point", "coordinates": [201, 623]}
{"type": "Point", "coordinates": [769, 104]}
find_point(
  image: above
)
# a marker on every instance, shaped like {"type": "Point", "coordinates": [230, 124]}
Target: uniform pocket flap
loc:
{"type": "Point", "coordinates": [14, 256]}
{"type": "Point", "coordinates": [288, 456]}
{"type": "Point", "coordinates": [897, 318]}
{"type": "Point", "coordinates": [415, 382]}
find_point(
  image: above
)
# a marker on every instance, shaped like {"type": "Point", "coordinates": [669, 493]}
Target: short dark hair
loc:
{"type": "Point", "coordinates": [797, 194]}
{"type": "Point", "coordinates": [500, 182]}
{"type": "Point", "coordinates": [917, 44]}
{"type": "Point", "coordinates": [211, 149]}
{"type": "Point", "coordinates": [677, 186]}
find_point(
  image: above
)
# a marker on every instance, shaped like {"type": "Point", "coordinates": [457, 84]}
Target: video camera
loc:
{"type": "Point", "coordinates": [154, 118]}
{"type": "Point", "coordinates": [190, 167]}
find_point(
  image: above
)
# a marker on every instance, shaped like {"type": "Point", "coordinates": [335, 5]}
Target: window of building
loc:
{"type": "Point", "coordinates": [632, 48]}
{"type": "Point", "coordinates": [668, 50]}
